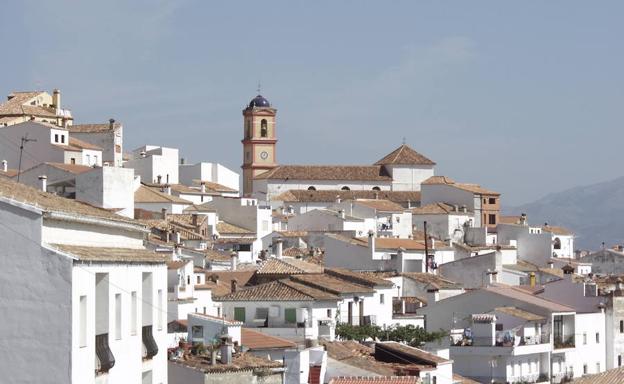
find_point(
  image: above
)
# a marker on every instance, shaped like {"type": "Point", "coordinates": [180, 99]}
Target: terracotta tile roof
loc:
{"type": "Point", "coordinates": [214, 187]}
{"type": "Point", "coordinates": [362, 278]}
{"type": "Point", "coordinates": [612, 376]}
{"type": "Point", "coordinates": [519, 313]}
{"type": "Point", "coordinates": [122, 255]}
{"type": "Point", "coordinates": [417, 356]}
{"type": "Point", "coordinates": [557, 230]}
{"type": "Point", "coordinates": [502, 219]}
{"type": "Point", "coordinates": [254, 340]}
{"type": "Point", "coordinates": [217, 255]}
{"type": "Point", "coordinates": [240, 362]}
{"type": "Point", "coordinates": [331, 284]}
{"type": "Point", "coordinates": [145, 194]}
{"type": "Point", "coordinates": [380, 205]}
{"type": "Point", "coordinates": [390, 243]}
{"type": "Point", "coordinates": [217, 318]}
{"type": "Point", "coordinates": [177, 264]}
{"type": "Point", "coordinates": [223, 284]}
{"type": "Point", "coordinates": [52, 203]}
{"type": "Point", "coordinates": [375, 380]}
{"type": "Point", "coordinates": [9, 173]}
{"type": "Point", "coordinates": [223, 227]}
{"type": "Point", "coordinates": [521, 295]}
{"type": "Point", "coordinates": [292, 233]}
{"type": "Point", "coordinates": [281, 290]}
{"type": "Point", "coordinates": [435, 281]}
{"type": "Point", "coordinates": [404, 155]}
{"type": "Point", "coordinates": [93, 128]}
{"type": "Point", "coordinates": [186, 219]}
{"type": "Point", "coordinates": [438, 209]}
{"type": "Point", "coordinates": [329, 196]}
{"type": "Point", "coordinates": [458, 379]}
{"type": "Point", "coordinates": [288, 266]}
{"type": "Point", "coordinates": [17, 106]}
{"type": "Point", "coordinates": [474, 188]}
{"type": "Point", "coordinates": [73, 142]}
{"type": "Point", "coordinates": [295, 252]}
{"type": "Point", "coordinates": [326, 172]}
{"type": "Point", "coordinates": [75, 169]}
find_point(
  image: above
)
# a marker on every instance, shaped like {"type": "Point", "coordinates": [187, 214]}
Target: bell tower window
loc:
{"type": "Point", "coordinates": [263, 128]}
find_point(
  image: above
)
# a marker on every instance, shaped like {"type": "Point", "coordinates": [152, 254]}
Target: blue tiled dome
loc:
{"type": "Point", "coordinates": [259, 102]}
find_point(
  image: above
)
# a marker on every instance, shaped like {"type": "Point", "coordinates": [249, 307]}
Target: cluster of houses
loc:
{"type": "Point", "coordinates": [136, 267]}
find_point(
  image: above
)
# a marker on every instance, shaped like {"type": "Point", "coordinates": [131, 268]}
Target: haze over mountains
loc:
{"type": "Point", "coordinates": [594, 212]}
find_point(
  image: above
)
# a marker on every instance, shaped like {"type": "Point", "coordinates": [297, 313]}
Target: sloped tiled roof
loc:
{"type": "Point", "coordinates": [145, 194]}
{"type": "Point", "coordinates": [77, 143]}
{"type": "Point", "coordinates": [108, 254]}
{"type": "Point", "coordinates": [75, 169]}
{"type": "Point", "coordinates": [367, 279]}
{"type": "Point", "coordinates": [281, 290]}
{"type": "Point", "coordinates": [435, 281]}
{"type": "Point", "coordinates": [555, 230]}
{"type": "Point", "coordinates": [414, 354]}
{"type": "Point", "coordinates": [93, 128]}
{"type": "Point", "coordinates": [288, 266]}
{"type": "Point", "coordinates": [326, 172]}
{"type": "Point", "coordinates": [474, 188]}
{"type": "Point", "coordinates": [254, 340]}
{"type": "Point", "coordinates": [437, 209]}
{"type": "Point", "coordinates": [223, 227]}
{"type": "Point", "coordinates": [53, 203]}
{"type": "Point", "coordinates": [404, 155]}
{"type": "Point", "coordinates": [375, 380]}
{"type": "Point", "coordinates": [330, 195]}
{"type": "Point", "coordinates": [16, 106]}
{"type": "Point", "coordinates": [519, 313]}
{"type": "Point", "coordinates": [380, 205]}
{"type": "Point", "coordinates": [519, 294]}
{"type": "Point", "coordinates": [611, 376]}
{"type": "Point", "coordinates": [331, 284]}
{"type": "Point", "coordinates": [392, 243]}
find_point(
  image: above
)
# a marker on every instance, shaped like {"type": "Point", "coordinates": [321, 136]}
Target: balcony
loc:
{"type": "Point", "coordinates": [505, 343]}
{"type": "Point", "coordinates": [150, 348]}
{"type": "Point", "coordinates": [104, 357]}
{"type": "Point", "coordinates": [563, 342]}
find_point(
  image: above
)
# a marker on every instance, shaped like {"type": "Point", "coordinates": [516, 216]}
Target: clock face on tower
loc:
{"type": "Point", "coordinates": [264, 155]}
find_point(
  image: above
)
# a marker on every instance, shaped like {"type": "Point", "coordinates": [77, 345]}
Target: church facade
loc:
{"type": "Point", "coordinates": [403, 169]}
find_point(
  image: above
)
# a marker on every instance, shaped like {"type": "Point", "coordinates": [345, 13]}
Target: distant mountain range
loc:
{"type": "Point", "coordinates": [594, 212]}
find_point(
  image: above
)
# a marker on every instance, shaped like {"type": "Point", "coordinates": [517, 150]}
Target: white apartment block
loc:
{"type": "Point", "coordinates": [155, 164]}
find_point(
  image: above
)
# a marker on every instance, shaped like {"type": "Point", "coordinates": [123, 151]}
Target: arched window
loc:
{"type": "Point", "coordinates": [345, 188]}
{"type": "Point", "coordinates": [311, 188]}
{"type": "Point", "coordinates": [557, 243]}
{"type": "Point", "coordinates": [376, 189]}
{"type": "Point", "coordinates": [263, 128]}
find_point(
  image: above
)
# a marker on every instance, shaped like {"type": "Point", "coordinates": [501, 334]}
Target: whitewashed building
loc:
{"type": "Point", "coordinates": [80, 290]}
{"type": "Point", "coordinates": [155, 164]}
{"type": "Point", "coordinates": [107, 136]}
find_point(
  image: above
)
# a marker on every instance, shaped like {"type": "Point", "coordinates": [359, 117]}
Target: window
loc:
{"type": "Point", "coordinates": [290, 315]}
{"type": "Point", "coordinates": [118, 316]}
{"type": "Point", "coordinates": [72, 160]}
{"type": "Point", "coordinates": [557, 244]}
{"type": "Point", "coordinates": [491, 219]}
{"type": "Point", "coordinates": [198, 280]}
{"type": "Point", "coordinates": [188, 280]}
{"type": "Point", "coordinates": [484, 201]}
{"type": "Point", "coordinates": [584, 338]}
{"type": "Point", "coordinates": [345, 188]}
{"type": "Point", "coordinates": [197, 331]}
{"type": "Point", "coordinates": [597, 337]}
{"type": "Point", "coordinates": [499, 327]}
{"type": "Point", "coordinates": [263, 128]}
{"type": "Point", "coordinates": [83, 321]}
{"type": "Point", "coordinates": [311, 188]}
{"type": "Point", "coordinates": [88, 159]}
{"type": "Point", "coordinates": [56, 138]}
{"type": "Point", "coordinates": [95, 159]}
{"type": "Point", "coordinates": [247, 156]}
{"type": "Point", "coordinates": [621, 326]}
{"type": "Point", "coordinates": [63, 139]}
{"type": "Point", "coordinates": [247, 129]}
{"type": "Point", "coordinates": [381, 299]}
{"type": "Point", "coordinates": [329, 313]}
{"type": "Point", "coordinates": [239, 314]}
{"type": "Point", "coordinates": [133, 313]}
{"type": "Point", "coordinates": [492, 200]}
{"type": "Point", "coordinates": [204, 310]}
{"type": "Point", "coordinates": [376, 189]}
{"type": "Point", "coordinates": [619, 360]}
{"type": "Point", "coordinates": [262, 313]}
{"type": "Point", "coordinates": [597, 367]}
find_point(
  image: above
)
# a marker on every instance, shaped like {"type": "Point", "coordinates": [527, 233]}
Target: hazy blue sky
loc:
{"type": "Point", "coordinates": [525, 98]}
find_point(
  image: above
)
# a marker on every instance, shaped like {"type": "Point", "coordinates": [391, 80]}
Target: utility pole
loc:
{"type": "Point", "coordinates": [25, 140]}
{"type": "Point", "coordinates": [426, 249]}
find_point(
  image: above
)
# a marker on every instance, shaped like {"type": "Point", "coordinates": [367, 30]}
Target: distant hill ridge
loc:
{"type": "Point", "coordinates": [594, 212]}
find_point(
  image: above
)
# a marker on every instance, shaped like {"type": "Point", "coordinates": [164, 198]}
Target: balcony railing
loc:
{"type": "Point", "coordinates": [561, 342]}
{"type": "Point", "coordinates": [543, 338]}
{"type": "Point", "coordinates": [105, 358]}
{"type": "Point", "coordinates": [150, 348]}
{"type": "Point", "coordinates": [359, 320]}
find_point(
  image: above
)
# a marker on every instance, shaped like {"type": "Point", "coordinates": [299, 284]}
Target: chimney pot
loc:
{"type": "Point", "coordinates": [158, 178]}
{"type": "Point", "coordinates": [43, 180]}
{"type": "Point", "coordinates": [111, 123]}
{"type": "Point", "coordinates": [182, 161]}
{"type": "Point", "coordinates": [233, 262]}
{"type": "Point", "coordinates": [203, 187]}
{"type": "Point", "coordinates": [5, 166]}
{"type": "Point", "coordinates": [279, 248]}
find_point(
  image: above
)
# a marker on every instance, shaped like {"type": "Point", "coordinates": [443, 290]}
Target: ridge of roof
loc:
{"type": "Point", "coordinates": [326, 172]}
{"type": "Point", "coordinates": [404, 155]}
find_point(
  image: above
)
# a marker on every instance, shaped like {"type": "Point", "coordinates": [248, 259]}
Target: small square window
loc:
{"type": "Point", "coordinates": [56, 140]}
{"type": "Point", "coordinates": [597, 337]}
{"type": "Point", "coordinates": [492, 200]}
{"type": "Point", "coordinates": [381, 298]}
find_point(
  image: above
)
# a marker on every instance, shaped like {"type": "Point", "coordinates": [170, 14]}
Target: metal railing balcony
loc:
{"type": "Point", "coordinates": [150, 348]}
{"type": "Point", "coordinates": [104, 356]}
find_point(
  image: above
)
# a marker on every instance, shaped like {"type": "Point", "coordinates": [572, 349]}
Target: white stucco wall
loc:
{"type": "Point", "coordinates": [66, 232]}
{"type": "Point", "coordinates": [35, 152]}
{"type": "Point", "coordinates": [107, 187]}
{"type": "Point", "coordinates": [408, 178]}
{"type": "Point", "coordinates": [158, 161]}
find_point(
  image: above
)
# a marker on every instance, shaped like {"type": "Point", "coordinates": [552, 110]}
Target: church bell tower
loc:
{"type": "Point", "coordinates": [258, 141]}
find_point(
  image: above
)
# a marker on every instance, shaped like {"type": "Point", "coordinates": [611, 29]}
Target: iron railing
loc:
{"type": "Point", "coordinates": [104, 355]}
{"type": "Point", "coordinates": [150, 348]}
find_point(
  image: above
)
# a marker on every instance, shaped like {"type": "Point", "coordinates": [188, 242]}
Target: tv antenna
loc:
{"type": "Point", "coordinates": [25, 140]}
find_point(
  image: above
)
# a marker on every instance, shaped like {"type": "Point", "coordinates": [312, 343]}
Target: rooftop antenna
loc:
{"type": "Point", "coordinates": [25, 140]}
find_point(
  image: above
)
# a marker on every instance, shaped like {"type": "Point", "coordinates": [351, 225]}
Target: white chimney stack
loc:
{"type": "Point", "coordinates": [168, 189]}
{"type": "Point", "coordinates": [233, 260]}
{"type": "Point", "coordinates": [371, 241]}
{"type": "Point", "coordinates": [203, 187]}
{"type": "Point", "coordinates": [56, 100]}
{"type": "Point", "coordinates": [278, 248]}
{"type": "Point", "coordinates": [341, 213]}
{"type": "Point", "coordinates": [43, 179]}
{"type": "Point", "coordinates": [5, 166]}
